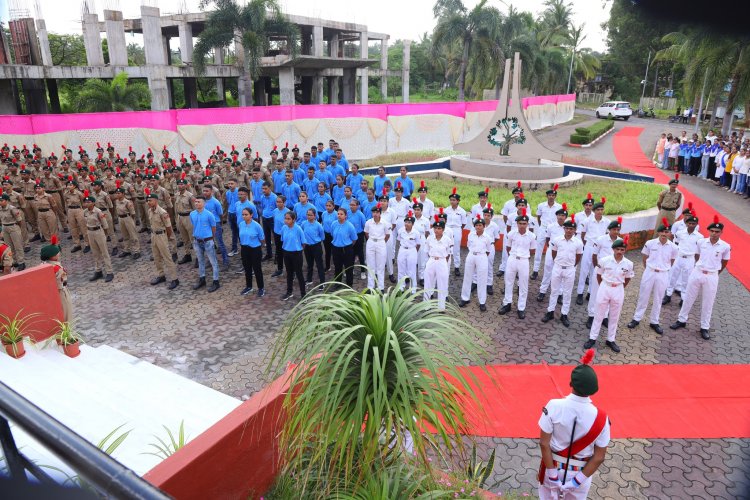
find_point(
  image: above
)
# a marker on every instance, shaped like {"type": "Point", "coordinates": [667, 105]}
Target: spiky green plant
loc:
{"type": "Point", "coordinates": [14, 329]}
{"type": "Point", "coordinates": [175, 441]}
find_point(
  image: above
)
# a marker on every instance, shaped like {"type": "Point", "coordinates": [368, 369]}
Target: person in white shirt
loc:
{"type": "Point", "coordinates": [508, 213]}
{"type": "Point", "coordinates": [377, 233]}
{"type": "Point", "coordinates": [566, 252]}
{"type": "Point", "coordinates": [428, 210]}
{"type": "Point", "coordinates": [602, 248]}
{"type": "Point", "coordinates": [388, 216]}
{"type": "Point", "coordinates": [585, 214]}
{"type": "Point", "coordinates": [492, 230]}
{"type": "Point", "coordinates": [439, 251]}
{"type": "Point", "coordinates": [478, 208]}
{"type": "Point", "coordinates": [456, 222]}
{"type": "Point", "coordinates": [687, 240]}
{"type": "Point", "coordinates": [545, 216]}
{"type": "Point", "coordinates": [554, 231]}
{"type": "Point", "coordinates": [422, 226]}
{"type": "Point", "coordinates": [479, 245]}
{"type": "Point", "coordinates": [711, 259]}
{"type": "Point", "coordinates": [520, 245]}
{"type": "Point", "coordinates": [410, 241]}
{"type": "Point", "coordinates": [658, 258]}
{"type": "Point", "coordinates": [591, 229]}
{"type": "Point", "coordinates": [614, 273]}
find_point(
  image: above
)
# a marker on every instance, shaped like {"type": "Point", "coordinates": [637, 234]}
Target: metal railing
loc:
{"type": "Point", "coordinates": [102, 472]}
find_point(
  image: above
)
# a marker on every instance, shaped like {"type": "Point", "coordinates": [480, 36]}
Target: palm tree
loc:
{"type": "Point", "coordinates": [373, 369]}
{"type": "Point", "coordinates": [582, 61]}
{"type": "Point", "coordinates": [253, 25]}
{"type": "Point", "coordinates": [117, 95]}
{"type": "Point", "coordinates": [555, 23]}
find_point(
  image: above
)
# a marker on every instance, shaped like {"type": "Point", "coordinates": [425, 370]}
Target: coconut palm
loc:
{"type": "Point", "coordinates": [116, 95]}
{"type": "Point", "coordinates": [554, 24]}
{"type": "Point", "coordinates": [254, 25]}
{"type": "Point", "coordinates": [582, 61]}
{"type": "Point", "coordinates": [373, 370]}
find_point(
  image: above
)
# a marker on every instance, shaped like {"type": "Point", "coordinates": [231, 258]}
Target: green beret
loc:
{"type": "Point", "coordinates": [439, 223]}
{"type": "Point", "coordinates": [584, 381]}
{"type": "Point", "coordinates": [5, 197]}
{"type": "Point", "coordinates": [619, 242]}
{"type": "Point", "coordinates": [49, 251]}
{"type": "Point", "coordinates": [90, 199]}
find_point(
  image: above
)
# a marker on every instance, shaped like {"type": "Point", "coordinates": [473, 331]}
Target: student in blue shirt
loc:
{"type": "Point", "coordinates": [337, 193]}
{"type": "Point", "coordinates": [251, 251]}
{"type": "Point", "coordinates": [321, 198]}
{"type": "Point", "coordinates": [205, 229]}
{"type": "Point", "coordinates": [310, 184]}
{"type": "Point", "coordinates": [302, 206]}
{"type": "Point", "coordinates": [278, 223]}
{"type": "Point", "coordinates": [406, 182]}
{"type": "Point", "coordinates": [267, 206]}
{"type": "Point", "coordinates": [278, 176]}
{"type": "Point", "coordinates": [354, 179]}
{"type": "Point", "coordinates": [342, 247]}
{"type": "Point", "coordinates": [293, 242]}
{"type": "Point", "coordinates": [231, 195]}
{"type": "Point", "coordinates": [328, 217]}
{"type": "Point", "coordinates": [213, 206]}
{"type": "Point", "coordinates": [300, 173]}
{"type": "Point", "coordinates": [367, 202]}
{"type": "Point", "coordinates": [244, 202]}
{"type": "Point", "coordinates": [307, 161]}
{"type": "Point", "coordinates": [256, 188]}
{"type": "Point", "coordinates": [357, 219]}
{"type": "Point", "coordinates": [314, 236]}
{"type": "Point", "coordinates": [335, 168]}
{"type": "Point", "coordinates": [341, 159]}
{"type": "Point", "coordinates": [290, 190]}
{"type": "Point", "coordinates": [681, 156]}
{"type": "Point", "coordinates": [324, 175]}
{"type": "Point", "coordinates": [379, 180]}
{"type": "Point", "coordinates": [315, 158]}
{"type": "Point", "coordinates": [695, 158]}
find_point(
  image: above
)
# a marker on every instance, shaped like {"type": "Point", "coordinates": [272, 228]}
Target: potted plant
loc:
{"type": "Point", "coordinates": [12, 332]}
{"type": "Point", "coordinates": [69, 339]}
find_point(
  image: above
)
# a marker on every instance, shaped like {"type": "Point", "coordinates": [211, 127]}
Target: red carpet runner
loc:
{"type": "Point", "coordinates": [630, 155]}
{"type": "Point", "coordinates": [642, 401]}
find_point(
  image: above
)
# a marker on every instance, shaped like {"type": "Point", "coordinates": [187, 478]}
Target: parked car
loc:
{"type": "Point", "coordinates": [614, 109]}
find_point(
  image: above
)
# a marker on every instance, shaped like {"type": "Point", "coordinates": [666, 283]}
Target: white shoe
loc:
{"type": "Point", "coordinates": [363, 276]}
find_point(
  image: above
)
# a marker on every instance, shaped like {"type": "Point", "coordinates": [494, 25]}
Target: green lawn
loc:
{"type": "Point", "coordinates": [622, 196]}
{"type": "Point", "coordinates": [405, 157]}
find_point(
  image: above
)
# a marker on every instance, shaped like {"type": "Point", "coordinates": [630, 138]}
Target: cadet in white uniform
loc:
{"type": "Point", "coordinates": [478, 208]}
{"type": "Point", "coordinates": [456, 222]}
{"type": "Point", "coordinates": [479, 245]}
{"type": "Point", "coordinates": [595, 226]}
{"type": "Point", "coordinates": [377, 233]}
{"type": "Point", "coordinates": [400, 206]}
{"type": "Point", "coordinates": [428, 210]}
{"type": "Point", "coordinates": [573, 439]}
{"type": "Point", "coordinates": [687, 240]}
{"type": "Point", "coordinates": [658, 257]}
{"type": "Point", "coordinates": [520, 245]}
{"type": "Point", "coordinates": [492, 230]}
{"type": "Point", "coordinates": [388, 216]}
{"type": "Point", "coordinates": [509, 213]}
{"type": "Point", "coordinates": [602, 248]}
{"type": "Point", "coordinates": [439, 251]}
{"type": "Point", "coordinates": [422, 226]}
{"type": "Point", "coordinates": [410, 241]}
{"type": "Point", "coordinates": [554, 231]}
{"type": "Point", "coordinates": [566, 251]}
{"type": "Point", "coordinates": [546, 216]}
{"type": "Point", "coordinates": [614, 273]}
{"type": "Point", "coordinates": [711, 259]}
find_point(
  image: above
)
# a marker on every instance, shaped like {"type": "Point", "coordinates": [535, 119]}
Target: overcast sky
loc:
{"type": "Point", "coordinates": [399, 18]}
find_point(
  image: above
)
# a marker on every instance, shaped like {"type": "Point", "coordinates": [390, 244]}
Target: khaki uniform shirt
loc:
{"type": "Point", "coordinates": [183, 203]}
{"type": "Point", "coordinates": [72, 199]}
{"type": "Point", "coordinates": [670, 200]}
{"type": "Point", "coordinates": [95, 218]}
{"type": "Point", "coordinates": [28, 189]}
{"type": "Point", "coordinates": [159, 218]}
{"type": "Point", "coordinates": [52, 184]}
{"type": "Point", "coordinates": [10, 215]}
{"type": "Point", "coordinates": [124, 207]}
{"type": "Point", "coordinates": [103, 200]}
{"type": "Point", "coordinates": [44, 202]}
{"type": "Point", "coordinates": [165, 201]}
{"type": "Point", "coordinates": [110, 184]}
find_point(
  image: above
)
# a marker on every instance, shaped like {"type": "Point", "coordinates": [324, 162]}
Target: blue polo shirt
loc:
{"type": "Point", "coordinates": [256, 187]}
{"type": "Point", "coordinates": [232, 197]}
{"type": "Point", "coordinates": [251, 235]}
{"type": "Point", "coordinates": [278, 178]}
{"type": "Point", "coordinates": [291, 191]}
{"type": "Point", "coordinates": [292, 238]}
{"type": "Point", "coordinates": [357, 219]}
{"type": "Point", "coordinates": [366, 206]}
{"type": "Point", "coordinates": [320, 200]}
{"type": "Point", "coordinates": [268, 204]}
{"type": "Point", "coordinates": [278, 219]}
{"type": "Point", "coordinates": [325, 176]}
{"type": "Point", "coordinates": [213, 206]}
{"type": "Point", "coordinates": [344, 163]}
{"type": "Point", "coordinates": [310, 185]}
{"type": "Point", "coordinates": [406, 183]}
{"type": "Point", "coordinates": [354, 181]}
{"type": "Point", "coordinates": [377, 184]}
{"type": "Point", "coordinates": [240, 205]}
{"type": "Point", "coordinates": [301, 211]}
{"type": "Point", "coordinates": [337, 170]}
{"type": "Point", "coordinates": [337, 193]}
{"type": "Point", "coordinates": [313, 231]}
{"type": "Point", "coordinates": [300, 174]}
{"type": "Point", "coordinates": [202, 222]}
{"type": "Point", "coordinates": [343, 234]}
{"type": "Point", "coordinates": [328, 219]}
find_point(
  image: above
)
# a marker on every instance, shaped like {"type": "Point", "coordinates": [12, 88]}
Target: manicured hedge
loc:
{"type": "Point", "coordinates": [585, 135]}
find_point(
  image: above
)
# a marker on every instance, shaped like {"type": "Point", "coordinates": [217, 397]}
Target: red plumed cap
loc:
{"type": "Point", "coordinates": [182, 176]}
{"type": "Point", "coordinates": [523, 212]}
{"type": "Point", "coordinates": [565, 206]}
{"type": "Point", "coordinates": [118, 183]}
{"type": "Point", "coordinates": [378, 205]}
{"type": "Point", "coordinates": [518, 184]}
{"type": "Point", "coordinates": [146, 191]}
{"type": "Point", "coordinates": [233, 148]}
{"type": "Point", "coordinates": [91, 168]}
{"type": "Point", "coordinates": [437, 218]}
{"type": "Point", "coordinates": [604, 200]}
{"type": "Point", "coordinates": [489, 205]}
{"type": "Point", "coordinates": [85, 193]}
{"type": "Point", "coordinates": [665, 221]}
{"type": "Point", "coordinates": [109, 145]}
{"type": "Point", "coordinates": [441, 210]}
{"type": "Point", "coordinates": [454, 190]}
{"type": "Point", "coordinates": [479, 216]}
{"type": "Point", "coordinates": [53, 240]}
{"type": "Point", "coordinates": [572, 217]}
{"type": "Point", "coordinates": [92, 178]}
{"type": "Point", "coordinates": [486, 190]}
{"type": "Point", "coordinates": [421, 183]}
{"type": "Point", "coordinates": [588, 195]}
{"type": "Point", "coordinates": [118, 156]}
{"type": "Point", "coordinates": [398, 184]}
{"type": "Point", "coordinates": [521, 195]}
{"type": "Point", "coordinates": [554, 188]}
{"type": "Point", "coordinates": [130, 148]}
{"type": "Point", "coordinates": [286, 144]}
{"type": "Point", "coordinates": [63, 146]}
{"type": "Point", "coordinates": [97, 145]}
{"type": "Point", "coordinates": [588, 357]}
{"type": "Point", "coordinates": [257, 154]}
{"type": "Point", "coordinates": [149, 150]}
{"type": "Point", "coordinates": [415, 199]}
{"type": "Point", "coordinates": [619, 220]}
{"type": "Point", "coordinates": [716, 219]}
{"type": "Point", "coordinates": [410, 214]}
{"type": "Point", "coordinates": [690, 206]}
{"type": "Point", "coordinates": [208, 171]}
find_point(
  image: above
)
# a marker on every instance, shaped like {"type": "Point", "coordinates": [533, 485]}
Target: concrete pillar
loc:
{"type": "Point", "coordinates": [350, 85]}
{"type": "Point", "coordinates": [157, 84]}
{"type": "Point", "coordinates": [286, 86]}
{"type": "Point", "coordinates": [333, 89]}
{"type": "Point", "coordinates": [317, 90]}
{"type": "Point", "coordinates": [153, 41]}
{"type": "Point", "coordinates": [405, 65]}
{"type": "Point", "coordinates": [384, 68]}
{"type": "Point", "coordinates": [186, 42]}
{"type": "Point", "coordinates": [259, 92]}
{"type": "Point", "coordinates": [219, 59]}
{"type": "Point", "coordinates": [35, 95]}
{"type": "Point", "coordinates": [41, 31]}
{"type": "Point", "coordinates": [93, 42]}
{"type": "Point", "coordinates": [167, 51]}
{"type": "Point", "coordinates": [8, 103]}
{"type": "Point", "coordinates": [118, 51]}
{"type": "Point", "coordinates": [363, 79]}
{"type": "Point", "coordinates": [333, 46]}
{"type": "Point", "coordinates": [317, 41]}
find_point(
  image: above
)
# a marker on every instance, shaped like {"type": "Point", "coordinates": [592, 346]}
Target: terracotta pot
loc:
{"type": "Point", "coordinates": [72, 350]}
{"type": "Point", "coordinates": [16, 350]}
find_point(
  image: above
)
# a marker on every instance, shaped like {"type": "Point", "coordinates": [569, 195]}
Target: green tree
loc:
{"type": "Point", "coordinates": [67, 50]}
{"type": "Point", "coordinates": [554, 23]}
{"type": "Point", "coordinates": [253, 24]}
{"type": "Point", "coordinates": [117, 95]}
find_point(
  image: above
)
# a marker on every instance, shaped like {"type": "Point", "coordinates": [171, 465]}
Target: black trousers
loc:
{"type": "Point", "coordinates": [314, 255]}
{"type": "Point", "coordinates": [251, 257]}
{"type": "Point", "coordinates": [269, 234]}
{"type": "Point", "coordinates": [327, 245]}
{"type": "Point", "coordinates": [279, 252]}
{"type": "Point", "coordinates": [695, 165]}
{"type": "Point", "coordinates": [359, 249]}
{"type": "Point", "coordinates": [343, 262]}
{"type": "Point", "coordinates": [711, 167]}
{"type": "Point", "coordinates": [293, 262]}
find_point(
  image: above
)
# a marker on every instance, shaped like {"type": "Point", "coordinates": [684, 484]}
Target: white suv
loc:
{"type": "Point", "coordinates": [614, 109]}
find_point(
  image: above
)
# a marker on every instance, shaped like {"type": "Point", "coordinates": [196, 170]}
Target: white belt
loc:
{"type": "Point", "coordinates": [520, 258]}
{"type": "Point", "coordinates": [658, 270]}
{"type": "Point", "coordinates": [707, 272]}
{"type": "Point", "coordinates": [437, 258]}
{"type": "Point", "coordinates": [571, 462]}
{"type": "Point", "coordinates": [564, 267]}
{"type": "Point", "coordinates": [613, 285]}
{"type": "Point", "coordinates": [376, 240]}
{"type": "Point", "coordinates": [408, 248]}
{"type": "Point", "coordinates": [686, 256]}
{"type": "Point", "coordinates": [478, 253]}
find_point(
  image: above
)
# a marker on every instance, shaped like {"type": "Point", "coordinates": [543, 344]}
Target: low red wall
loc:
{"type": "Point", "coordinates": [235, 458]}
{"type": "Point", "coordinates": [33, 291]}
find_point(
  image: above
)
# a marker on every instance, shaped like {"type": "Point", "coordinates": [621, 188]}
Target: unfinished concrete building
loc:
{"type": "Point", "coordinates": [332, 65]}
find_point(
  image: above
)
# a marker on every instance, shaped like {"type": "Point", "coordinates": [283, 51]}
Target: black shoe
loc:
{"type": "Point", "coordinates": [195, 264]}
{"type": "Point", "coordinates": [704, 334]}
{"type": "Point", "coordinates": [658, 329]}
{"type": "Point", "coordinates": [633, 324]}
{"type": "Point", "coordinates": [679, 293]}
{"type": "Point", "coordinates": [86, 249]}
{"type": "Point", "coordinates": [589, 344]}
{"type": "Point", "coordinates": [200, 284]}
{"type": "Point", "coordinates": [247, 290]}
{"type": "Point", "coordinates": [482, 307]}
{"type": "Point", "coordinates": [666, 300]}
{"type": "Point", "coordinates": [535, 275]}
{"type": "Point", "coordinates": [261, 292]}
{"type": "Point", "coordinates": [677, 324]}
{"type": "Point", "coordinates": [66, 230]}
{"type": "Point", "coordinates": [185, 259]}
{"type": "Point", "coordinates": [97, 276]}
{"type": "Point", "coordinates": [109, 238]}
{"type": "Point", "coordinates": [521, 314]}
{"type": "Point", "coordinates": [35, 238]}
{"type": "Point", "coordinates": [277, 273]}
{"type": "Point", "coordinates": [180, 244]}
{"type": "Point", "coordinates": [286, 296]}
{"type": "Point", "coordinates": [214, 286]}
{"type": "Point", "coordinates": [174, 257]}
{"type": "Point", "coordinates": [119, 240]}
{"type": "Point", "coordinates": [125, 254]}
{"type": "Point", "coordinates": [681, 301]}
{"type": "Point", "coordinates": [540, 297]}
{"type": "Point", "coordinates": [21, 267]}
{"type": "Point", "coordinates": [548, 316]}
{"type": "Point", "coordinates": [490, 290]}
{"type": "Point", "coordinates": [109, 278]}
{"type": "Point", "coordinates": [565, 321]}
{"type": "Point", "coordinates": [613, 345]}
{"type": "Point", "coordinates": [463, 303]}
{"type": "Point", "coordinates": [559, 300]}
{"type": "Point", "coordinates": [392, 278]}
{"type": "Point", "coordinates": [136, 255]}
{"type": "Point", "coordinates": [421, 283]}
{"type": "Point", "coordinates": [173, 284]}
{"type": "Point", "coordinates": [504, 310]}
{"type": "Point", "coordinates": [158, 279]}
{"type": "Point", "coordinates": [500, 274]}
{"type": "Point", "coordinates": [605, 323]}
{"type": "Point", "coordinates": [75, 249]}
{"type": "Point", "coordinates": [579, 299]}
{"type": "Point", "coordinates": [143, 230]}
{"type": "Point", "coordinates": [456, 272]}
{"type": "Point", "coordinates": [473, 287]}
{"type": "Point", "coordinates": [27, 249]}
{"type": "Point", "coordinates": [588, 296]}
{"type": "Point", "coordinates": [589, 322]}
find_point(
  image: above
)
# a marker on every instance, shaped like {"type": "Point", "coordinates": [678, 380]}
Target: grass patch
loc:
{"type": "Point", "coordinates": [586, 135]}
{"type": "Point", "coordinates": [622, 196]}
{"type": "Point", "coordinates": [406, 157]}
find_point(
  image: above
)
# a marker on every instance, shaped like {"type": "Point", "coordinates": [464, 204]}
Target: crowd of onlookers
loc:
{"type": "Point", "coordinates": [722, 159]}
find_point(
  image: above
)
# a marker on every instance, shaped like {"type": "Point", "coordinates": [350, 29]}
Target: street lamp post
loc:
{"type": "Point", "coordinates": [645, 79]}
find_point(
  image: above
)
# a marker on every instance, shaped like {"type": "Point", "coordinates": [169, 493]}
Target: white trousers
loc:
{"type": "Point", "coordinates": [593, 290]}
{"type": "Point", "coordinates": [679, 273]}
{"type": "Point", "coordinates": [541, 240]}
{"type": "Point", "coordinates": [587, 266]}
{"type": "Point", "coordinates": [375, 255]}
{"type": "Point", "coordinates": [517, 267]}
{"type": "Point", "coordinates": [562, 284]}
{"type": "Point", "coordinates": [490, 267]}
{"type": "Point", "coordinates": [653, 284]}
{"type": "Point", "coordinates": [609, 301]}
{"type": "Point", "coordinates": [422, 261]}
{"type": "Point", "coordinates": [580, 493]}
{"type": "Point", "coordinates": [436, 278]}
{"type": "Point", "coordinates": [390, 255]}
{"type": "Point", "coordinates": [407, 267]}
{"type": "Point", "coordinates": [457, 235]}
{"type": "Point", "coordinates": [549, 264]}
{"type": "Point", "coordinates": [704, 285]}
{"type": "Point", "coordinates": [504, 257]}
{"type": "Point", "coordinates": [475, 265]}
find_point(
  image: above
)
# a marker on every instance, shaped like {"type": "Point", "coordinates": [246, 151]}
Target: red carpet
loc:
{"type": "Point", "coordinates": [630, 155]}
{"type": "Point", "coordinates": [642, 401]}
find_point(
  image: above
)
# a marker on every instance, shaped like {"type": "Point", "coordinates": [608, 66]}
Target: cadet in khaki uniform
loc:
{"type": "Point", "coordinates": [161, 230]}
{"type": "Point", "coordinates": [45, 209]}
{"type": "Point", "coordinates": [74, 205]}
{"type": "Point", "coordinates": [183, 204]}
{"type": "Point", "coordinates": [11, 217]}
{"type": "Point", "coordinates": [109, 184]}
{"type": "Point", "coordinates": [669, 201]}
{"type": "Point", "coordinates": [96, 224]}
{"type": "Point", "coordinates": [126, 215]}
{"type": "Point", "coordinates": [50, 254]}
{"type": "Point", "coordinates": [6, 259]}
{"type": "Point", "coordinates": [28, 191]}
{"type": "Point", "coordinates": [104, 203]}
{"type": "Point", "coordinates": [53, 186]}
{"type": "Point", "coordinates": [165, 202]}
{"type": "Point", "coordinates": [140, 201]}
{"type": "Point", "coordinates": [19, 202]}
